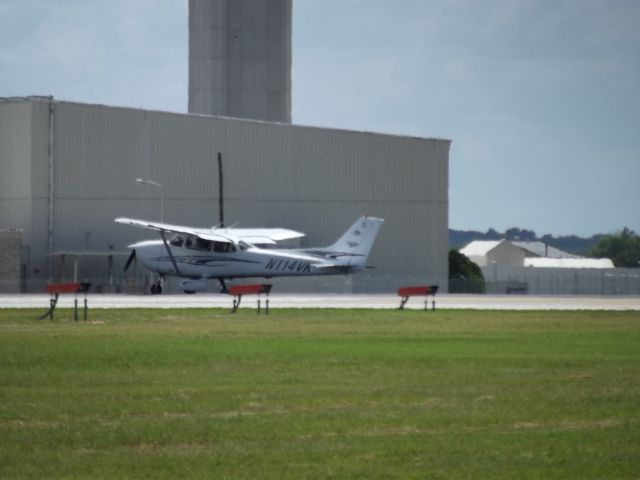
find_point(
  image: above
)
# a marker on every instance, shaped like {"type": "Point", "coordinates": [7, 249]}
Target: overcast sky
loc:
{"type": "Point", "coordinates": [540, 98]}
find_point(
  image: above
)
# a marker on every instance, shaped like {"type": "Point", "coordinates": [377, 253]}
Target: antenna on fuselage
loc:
{"type": "Point", "coordinates": [220, 191]}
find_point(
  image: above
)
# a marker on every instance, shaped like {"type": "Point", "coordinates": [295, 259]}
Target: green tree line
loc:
{"type": "Point", "coordinates": [623, 248]}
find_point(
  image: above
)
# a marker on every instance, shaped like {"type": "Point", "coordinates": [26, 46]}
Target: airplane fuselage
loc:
{"type": "Point", "coordinates": [249, 262]}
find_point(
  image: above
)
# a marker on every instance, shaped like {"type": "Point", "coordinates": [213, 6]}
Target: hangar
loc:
{"type": "Point", "coordinates": [68, 169]}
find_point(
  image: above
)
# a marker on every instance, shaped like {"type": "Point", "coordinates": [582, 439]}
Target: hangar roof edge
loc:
{"type": "Point", "coordinates": [48, 98]}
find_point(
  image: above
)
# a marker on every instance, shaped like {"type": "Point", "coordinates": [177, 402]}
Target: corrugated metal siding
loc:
{"type": "Point", "coordinates": [38, 242]}
{"type": "Point", "coordinates": [310, 179]}
{"type": "Point", "coordinates": [15, 164]}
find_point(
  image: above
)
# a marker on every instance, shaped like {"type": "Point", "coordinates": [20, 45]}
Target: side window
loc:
{"type": "Point", "coordinates": [177, 241]}
{"type": "Point", "coordinates": [202, 244]}
{"type": "Point", "coordinates": [223, 247]}
{"type": "Point", "coordinates": [197, 243]}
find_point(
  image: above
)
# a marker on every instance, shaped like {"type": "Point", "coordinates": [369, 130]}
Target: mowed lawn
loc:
{"type": "Point", "coordinates": [320, 394]}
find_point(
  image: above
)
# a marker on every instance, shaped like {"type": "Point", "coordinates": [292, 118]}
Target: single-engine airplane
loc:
{"type": "Point", "coordinates": [226, 253]}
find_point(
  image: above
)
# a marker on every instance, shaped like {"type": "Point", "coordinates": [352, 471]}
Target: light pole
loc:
{"type": "Point", "coordinates": [140, 181]}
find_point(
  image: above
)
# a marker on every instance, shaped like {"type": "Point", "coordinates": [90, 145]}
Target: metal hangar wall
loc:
{"type": "Point", "coordinates": [68, 169]}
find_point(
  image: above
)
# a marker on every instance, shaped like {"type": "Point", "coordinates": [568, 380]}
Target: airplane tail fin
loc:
{"type": "Point", "coordinates": [354, 246]}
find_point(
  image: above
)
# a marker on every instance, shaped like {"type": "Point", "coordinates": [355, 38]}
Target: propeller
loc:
{"type": "Point", "coordinates": [131, 258]}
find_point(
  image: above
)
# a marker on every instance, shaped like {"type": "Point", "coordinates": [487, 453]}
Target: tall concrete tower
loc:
{"type": "Point", "coordinates": [240, 58]}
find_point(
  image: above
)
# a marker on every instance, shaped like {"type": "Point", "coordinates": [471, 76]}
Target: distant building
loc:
{"type": "Point", "coordinates": [541, 249]}
{"type": "Point", "coordinates": [534, 267]}
{"type": "Point", "coordinates": [568, 263]}
{"type": "Point", "coordinates": [507, 253]}
{"type": "Point", "coordinates": [488, 252]}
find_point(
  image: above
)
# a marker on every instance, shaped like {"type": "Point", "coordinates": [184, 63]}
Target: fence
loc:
{"type": "Point", "coordinates": [562, 281]}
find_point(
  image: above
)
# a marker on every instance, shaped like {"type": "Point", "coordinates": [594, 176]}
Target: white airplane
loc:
{"type": "Point", "coordinates": [227, 253]}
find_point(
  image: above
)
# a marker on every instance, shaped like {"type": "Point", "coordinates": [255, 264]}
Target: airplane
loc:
{"type": "Point", "coordinates": [226, 253]}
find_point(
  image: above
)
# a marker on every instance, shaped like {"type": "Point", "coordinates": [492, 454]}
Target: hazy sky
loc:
{"type": "Point", "coordinates": [541, 98]}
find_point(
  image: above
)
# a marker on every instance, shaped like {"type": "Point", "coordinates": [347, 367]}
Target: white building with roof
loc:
{"type": "Point", "coordinates": [506, 253]}
{"type": "Point", "coordinates": [568, 262]}
{"type": "Point", "coordinates": [541, 249]}
{"type": "Point", "coordinates": [488, 252]}
{"type": "Point", "coordinates": [535, 268]}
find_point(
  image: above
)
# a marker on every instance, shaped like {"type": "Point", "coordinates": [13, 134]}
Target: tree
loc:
{"type": "Point", "coordinates": [522, 235]}
{"type": "Point", "coordinates": [464, 275]}
{"type": "Point", "coordinates": [623, 248]}
{"type": "Point", "coordinates": [492, 234]}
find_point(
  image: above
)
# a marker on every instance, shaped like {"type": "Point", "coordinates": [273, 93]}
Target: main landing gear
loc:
{"type": "Point", "coordinates": [156, 288]}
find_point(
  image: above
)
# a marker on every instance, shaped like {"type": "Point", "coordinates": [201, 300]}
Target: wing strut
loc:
{"type": "Point", "coordinates": [166, 245]}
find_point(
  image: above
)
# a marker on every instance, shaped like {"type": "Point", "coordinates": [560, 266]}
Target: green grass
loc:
{"type": "Point", "coordinates": [320, 394]}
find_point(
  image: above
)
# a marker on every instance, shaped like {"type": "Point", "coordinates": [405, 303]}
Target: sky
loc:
{"type": "Point", "coordinates": [541, 98]}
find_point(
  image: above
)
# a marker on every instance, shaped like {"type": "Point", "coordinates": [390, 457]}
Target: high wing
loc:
{"type": "Point", "coordinates": [260, 235]}
{"type": "Point", "coordinates": [229, 235]}
{"type": "Point", "coordinates": [165, 227]}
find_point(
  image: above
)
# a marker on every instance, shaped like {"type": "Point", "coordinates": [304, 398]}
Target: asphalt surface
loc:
{"type": "Point", "coordinates": [476, 302]}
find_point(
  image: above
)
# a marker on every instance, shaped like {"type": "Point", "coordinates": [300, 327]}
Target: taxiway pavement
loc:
{"type": "Point", "coordinates": [383, 301]}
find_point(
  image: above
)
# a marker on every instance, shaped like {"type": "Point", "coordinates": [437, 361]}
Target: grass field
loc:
{"type": "Point", "coordinates": [320, 394]}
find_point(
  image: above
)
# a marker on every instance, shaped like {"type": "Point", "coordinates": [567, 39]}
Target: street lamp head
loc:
{"type": "Point", "coordinates": [140, 181]}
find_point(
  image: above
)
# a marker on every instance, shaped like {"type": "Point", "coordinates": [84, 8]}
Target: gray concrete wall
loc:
{"type": "Point", "coordinates": [240, 58]}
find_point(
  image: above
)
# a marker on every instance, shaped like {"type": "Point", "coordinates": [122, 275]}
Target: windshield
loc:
{"type": "Point", "coordinates": [244, 245]}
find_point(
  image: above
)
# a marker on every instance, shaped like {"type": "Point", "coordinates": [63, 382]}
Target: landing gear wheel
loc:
{"type": "Point", "coordinates": [156, 289]}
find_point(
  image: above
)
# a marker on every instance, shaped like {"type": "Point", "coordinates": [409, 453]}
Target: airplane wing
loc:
{"type": "Point", "coordinates": [233, 235]}
{"type": "Point", "coordinates": [165, 227]}
{"type": "Point", "coordinates": [260, 235]}
{"type": "Point", "coordinates": [253, 240]}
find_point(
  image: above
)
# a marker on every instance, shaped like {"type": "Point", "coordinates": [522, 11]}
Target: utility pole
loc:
{"type": "Point", "coordinates": [220, 191]}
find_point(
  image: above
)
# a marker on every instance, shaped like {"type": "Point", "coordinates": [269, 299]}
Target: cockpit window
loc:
{"type": "Point", "coordinates": [202, 244]}
{"type": "Point", "coordinates": [223, 247]}
{"type": "Point", "coordinates": [197, 243]}
{"type": "Point", "coordinates": [177, 241]}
